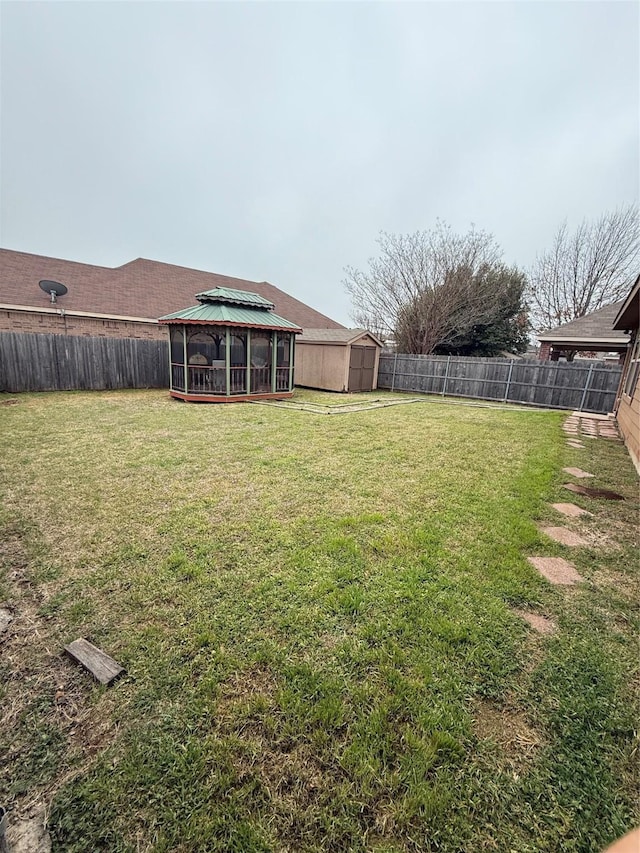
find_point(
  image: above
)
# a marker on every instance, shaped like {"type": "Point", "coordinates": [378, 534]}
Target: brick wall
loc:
{"type": "Point", "coordinates": [55, 324]}
{"type": "Point", "coordinates": [545, 351]}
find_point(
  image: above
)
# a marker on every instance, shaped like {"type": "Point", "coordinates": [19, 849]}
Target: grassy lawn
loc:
{"type": "Point", "coordinates": [317, 617]}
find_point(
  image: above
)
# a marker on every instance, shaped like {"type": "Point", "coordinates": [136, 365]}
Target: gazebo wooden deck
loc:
{"type": "Point", "coordinates": [230, 347]}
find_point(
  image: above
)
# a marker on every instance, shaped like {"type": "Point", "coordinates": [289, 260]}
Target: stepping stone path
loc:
{"type": "Point", "coordinates": [556, 570]}
{"type": "Point", "coordinates": [577, 472]}
{"type": "Point", "coordinates": [571, 510]}
{"type": "Point", "coordinates": [564, 536]}
{"type": "Point", "coordinates": [591, 426]}
{"type": "Point", "coordinates": [542, 624]}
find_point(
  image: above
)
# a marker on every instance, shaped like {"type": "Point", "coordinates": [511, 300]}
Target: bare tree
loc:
{"type": "Point", "coordinates": [586, 269]}
{"type": "Point", "coordinates": [427, 288]}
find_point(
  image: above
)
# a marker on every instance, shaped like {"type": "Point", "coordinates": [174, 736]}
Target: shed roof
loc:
{"type": "Point", "coordinates": [593, 331]}
{"type": "Point", "coordinates": [335, 336]}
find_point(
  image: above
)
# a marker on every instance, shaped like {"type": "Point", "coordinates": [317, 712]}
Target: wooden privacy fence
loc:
{"type": "Point", "coordinates": [67, 363]}
{"type": "Point", "coordinates": [588, 386]}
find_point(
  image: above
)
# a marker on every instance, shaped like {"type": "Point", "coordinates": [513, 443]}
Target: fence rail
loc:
{"type": "Point", "coordinates": [66, 363]}
{"type": "Point", "coordinates": [588, 386]}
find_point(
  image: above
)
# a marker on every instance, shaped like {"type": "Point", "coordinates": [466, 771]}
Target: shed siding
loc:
{"type": "Point", "coordinates": [321, 366]}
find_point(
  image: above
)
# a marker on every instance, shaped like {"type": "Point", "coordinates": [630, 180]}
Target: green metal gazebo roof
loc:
{"type": "Point", "coordinates": [224, 306]}
{"type": "Point", "coordinates": [231, 296]}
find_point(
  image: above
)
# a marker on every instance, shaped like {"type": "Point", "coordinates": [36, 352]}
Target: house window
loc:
{"type": "Point", "coordinates": [634, 367]}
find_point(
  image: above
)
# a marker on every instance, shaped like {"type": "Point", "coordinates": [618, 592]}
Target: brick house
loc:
{"type": "Point", "coordinates": [120, 302]}
{"type": "Point", "coordinates": [628, 402]}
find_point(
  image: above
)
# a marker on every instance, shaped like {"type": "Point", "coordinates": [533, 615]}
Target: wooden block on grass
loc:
{"type": "Point", "coordinates": [104, 668]}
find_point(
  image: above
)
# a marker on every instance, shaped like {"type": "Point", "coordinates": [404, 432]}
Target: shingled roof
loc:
{"type": "Point", "coordinates": [141, 288]}
{"type": "Point", "coordinates": [594, 331]}
{"type": "Point", "coordinates": [335, 336]}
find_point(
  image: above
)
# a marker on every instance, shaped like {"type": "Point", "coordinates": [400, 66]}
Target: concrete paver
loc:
{"type": "Point", "coordinates": [577, 472]}
{"type": "Point", "coordinates": [571, 510]}
{"type": "Point", "coordinates": [564, 536]}
{"type": "Point", "coordinates": [591, 426]}
{"type": "Point", "coordinates": [556, 570]}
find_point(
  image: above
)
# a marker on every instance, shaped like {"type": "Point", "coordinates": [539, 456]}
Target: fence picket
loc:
{"type": "Point", "coordinates": [591, 387]}
{"type": "Point", "coordinates": [31, 362]}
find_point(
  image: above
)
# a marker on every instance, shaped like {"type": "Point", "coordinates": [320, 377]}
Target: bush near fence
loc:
{"type": "Point", "coordinates": [68, 363]}
{"type": "Point", "coordinates": [588, 386]}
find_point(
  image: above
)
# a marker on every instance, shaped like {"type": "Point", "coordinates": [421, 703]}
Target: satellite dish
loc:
{"type": "Point", "coordinates": [53, 288]}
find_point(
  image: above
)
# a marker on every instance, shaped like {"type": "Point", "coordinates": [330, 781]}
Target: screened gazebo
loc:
{"type": "Point", "coordinates": [230, 347]}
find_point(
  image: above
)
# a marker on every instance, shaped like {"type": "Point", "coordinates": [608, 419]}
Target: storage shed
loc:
{"type": "Point", "coordinates": [337, 359]}
{"type": "Point", "coordinates": [230, 347]}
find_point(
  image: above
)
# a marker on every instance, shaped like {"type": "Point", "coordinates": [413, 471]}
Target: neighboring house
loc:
{"type": "Point", "coordinates": [338, 359]}
{"type": "Point", "coordinates": [593, 333]}
{"type": "Point", "coordinates": [120, 302]}
{"type": "Point", "coordinates": [628, 402]}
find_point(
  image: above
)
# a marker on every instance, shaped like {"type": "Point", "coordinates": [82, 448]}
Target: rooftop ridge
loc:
{"type": "Point", "coordinates": [235, 296]}
{"type": "Point", "coordinates": [56, 260]}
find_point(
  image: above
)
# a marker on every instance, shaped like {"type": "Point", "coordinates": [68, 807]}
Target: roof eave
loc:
{"type": "Point", "coordinates": [599, 343]}
{"type": "Point", "coordinates": [181, 321]}
{"type": "Point", "coordinates": [358, 333]}
{"type": "Point", "coordinates": [627, 316]}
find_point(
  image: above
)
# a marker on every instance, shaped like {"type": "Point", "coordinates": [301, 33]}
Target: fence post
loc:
{"type": "Point", "coordinates": [506, 393]}
{"type": "Point", "coordinates": [393, 378]}
{"type": "Point", "coordinates": [586, 387]}
{"type": "Point", "coordinates": [446, 375]}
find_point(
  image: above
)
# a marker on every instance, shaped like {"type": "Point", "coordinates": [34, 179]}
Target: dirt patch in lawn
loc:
{"type": "Point", "coordinates": [509, 728]}
{"type": "Point", "coordinates": [541, 624]}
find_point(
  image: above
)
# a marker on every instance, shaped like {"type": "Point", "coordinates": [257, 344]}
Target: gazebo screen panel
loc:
{"type": "Point", "coordinates": [206, 354]}
{"type": "Point", "coordinates": [177, 359]}
{"type": "Point", "coordinates": [283, 361]}
{"type": "Point", "coordinates": [238, 361]}
{"type": "Point", "coordinates": [261, 361]}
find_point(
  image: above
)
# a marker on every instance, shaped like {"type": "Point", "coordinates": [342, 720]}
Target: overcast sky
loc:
{"type": "Point", "coordinates": [273, 141]}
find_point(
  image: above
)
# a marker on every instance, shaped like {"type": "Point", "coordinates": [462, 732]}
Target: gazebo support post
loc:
{"type": "Point", "coordinates": [249, 389]}
{"type": "Point", "coordinates": [184, 360]}
{"type": "Point", "coordinates": [274, 361]}
{"type": "Point", "coordinates": [292, 343]}
{"type": "Point", "coordinates": [227, 360]}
